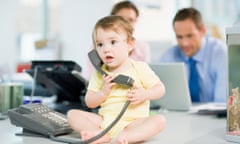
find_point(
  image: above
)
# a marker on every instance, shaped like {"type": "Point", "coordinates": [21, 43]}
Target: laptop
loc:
{"type": "Point", "coordinates": [177, 97]}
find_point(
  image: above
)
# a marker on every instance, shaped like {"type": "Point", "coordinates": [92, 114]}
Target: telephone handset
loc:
{"type": "Point", "coordinates": [97, 63]}
{"type": "Point", "coordinates": [38, 119]}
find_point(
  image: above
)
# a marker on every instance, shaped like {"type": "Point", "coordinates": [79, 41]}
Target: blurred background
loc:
{"type": "Point", "coordinates": [61, 29]}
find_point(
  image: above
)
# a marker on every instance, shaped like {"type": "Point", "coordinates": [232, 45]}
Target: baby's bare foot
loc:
{"type": "Point", "coordinates": [120, 141]}
{"type": "Point", "coordinates": [87, 135]}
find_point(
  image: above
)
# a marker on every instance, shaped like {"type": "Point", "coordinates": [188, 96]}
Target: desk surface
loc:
{"type": "Point", "coordinates": [182, 128]}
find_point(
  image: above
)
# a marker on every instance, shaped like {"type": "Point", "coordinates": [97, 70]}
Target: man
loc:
{"type": "Point", "coordinates": [205, 57]}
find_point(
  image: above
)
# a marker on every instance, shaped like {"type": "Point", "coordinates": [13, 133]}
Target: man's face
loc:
{"type": "Point", "coordinates": [189, 37]}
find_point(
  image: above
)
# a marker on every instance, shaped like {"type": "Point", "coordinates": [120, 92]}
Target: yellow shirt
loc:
{"type": "Point", "coordinates": [110, 108]}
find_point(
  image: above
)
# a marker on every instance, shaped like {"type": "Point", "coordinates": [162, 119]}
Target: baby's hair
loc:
{"type": "Point", "coordinates": [115, 23]}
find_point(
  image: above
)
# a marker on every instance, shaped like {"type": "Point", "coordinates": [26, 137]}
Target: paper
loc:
{"type": "Point", "coordinates": [209, 108]}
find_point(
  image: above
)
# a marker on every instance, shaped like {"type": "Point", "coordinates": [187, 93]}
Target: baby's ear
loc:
{"type": "Point", "coordinates": [131, 44]}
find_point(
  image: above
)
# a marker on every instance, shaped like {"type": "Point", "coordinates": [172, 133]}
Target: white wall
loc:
{"type": "Point", "coordinates": [78, 19]}
{"type": "Point", "coordinates": [8, 46]}
{"type": "Point", "coordinates": [155, 24]}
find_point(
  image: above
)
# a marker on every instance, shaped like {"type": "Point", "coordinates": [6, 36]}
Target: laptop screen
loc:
{"type": "Point", "coordinates": [174, 77]}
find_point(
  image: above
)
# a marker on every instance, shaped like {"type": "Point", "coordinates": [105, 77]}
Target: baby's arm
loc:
{"type": "Point", "coordinates": [94, 99]}
{"type": "Point", "coordinates": [138, 94]}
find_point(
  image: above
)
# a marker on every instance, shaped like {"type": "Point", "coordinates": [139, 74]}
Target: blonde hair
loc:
{"type": "Point", "coordinates": [115, 23]}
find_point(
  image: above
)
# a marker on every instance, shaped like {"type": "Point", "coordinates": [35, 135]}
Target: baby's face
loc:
{"type": "Point", "coordinates": [112, 47]}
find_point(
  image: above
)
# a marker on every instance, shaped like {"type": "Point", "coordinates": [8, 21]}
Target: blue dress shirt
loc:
{"type": "Point", "coordinates": [212, 68]}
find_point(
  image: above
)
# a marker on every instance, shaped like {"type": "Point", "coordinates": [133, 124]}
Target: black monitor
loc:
{"type": "Point", "coordinates": [61, 78]}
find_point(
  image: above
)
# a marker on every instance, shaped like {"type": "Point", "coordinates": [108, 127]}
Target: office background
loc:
{"type": "Point", "coordinates": [67, 26]}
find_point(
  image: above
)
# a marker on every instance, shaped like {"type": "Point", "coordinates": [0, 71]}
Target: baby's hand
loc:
{"type": "Point", "coordinates": [108, 84]}
{"type": "Point", "coordinates": [137, 94]}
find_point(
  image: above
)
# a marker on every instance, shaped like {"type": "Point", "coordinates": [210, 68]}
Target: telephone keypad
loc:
{"type": "Point", "coordinates": [46, 112]}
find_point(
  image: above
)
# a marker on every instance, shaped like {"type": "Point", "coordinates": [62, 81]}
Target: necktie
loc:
{"type": "Point", "coordinates": [193, 81]}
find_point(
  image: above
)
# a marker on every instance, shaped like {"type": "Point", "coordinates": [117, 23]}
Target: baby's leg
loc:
{"type": "Point", "coordinates": [87, 124]}
{"type": "Point", "coordinates": [81, 120]}
{"type": "Point", "coordinates": [141, 130]}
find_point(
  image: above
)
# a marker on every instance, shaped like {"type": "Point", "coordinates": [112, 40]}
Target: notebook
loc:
{"type": "Point", "coordinates": [174, 77]}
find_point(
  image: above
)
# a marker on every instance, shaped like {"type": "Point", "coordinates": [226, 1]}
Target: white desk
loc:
{"type": "Point", "coordinates": [182, 128]}
{"type": "Point", "coordinates": [186, 128]}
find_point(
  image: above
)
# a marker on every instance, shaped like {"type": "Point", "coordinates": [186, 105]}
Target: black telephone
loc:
{"type": "Point", "coordinates": [38, 119]}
